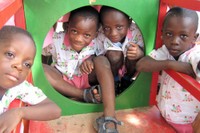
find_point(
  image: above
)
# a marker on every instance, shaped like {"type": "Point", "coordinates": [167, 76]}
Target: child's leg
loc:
{"type": "Point", "coordinates": [56, 80]}
{"type": "Point", "coordinates": [106, 81]}
{"type": "Point", "coordinates": [116, 60]}
{"type": "Point", "coordinates": [104, 76]}
{"type": "Point", "coordinates": [130, 71]}
{"type": "Point", "coordinates": [130, 67]}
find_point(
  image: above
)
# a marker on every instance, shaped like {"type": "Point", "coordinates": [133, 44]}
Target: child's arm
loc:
{"type": "Point", "coordinates": [45, 110]}
{"type": "Point", "coordinates": [196, 124]}
{"type": "Point", "coordinates": [148, 64]}
{"type": "Point", "coordinates": [87, 66]}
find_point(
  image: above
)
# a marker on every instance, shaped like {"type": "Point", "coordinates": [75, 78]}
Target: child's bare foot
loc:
{"type": "Point", "coordinates": [92, 95]}
{"type": "Point", "coordinates": [97, 95]}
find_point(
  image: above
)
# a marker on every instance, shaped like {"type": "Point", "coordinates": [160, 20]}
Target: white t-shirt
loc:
{"type": "Point", "coordinates": [176, 104]}
{"type": "Point", "coordinates": [25, 91]}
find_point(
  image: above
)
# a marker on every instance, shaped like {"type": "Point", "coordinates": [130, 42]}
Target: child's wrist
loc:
{"type": "Point", "coordinates": [19, 112]}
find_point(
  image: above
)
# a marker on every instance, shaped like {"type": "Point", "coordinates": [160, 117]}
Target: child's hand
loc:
{"type": "Point", "coordinates": [196, 124]}
{"type": "Point", "coordinates": [9, 120]}
{"type": "Point", "coordinates": [87, 66]}
{"type": "Point", "coordinates": [134, 52]}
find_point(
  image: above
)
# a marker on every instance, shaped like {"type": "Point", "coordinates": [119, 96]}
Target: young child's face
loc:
{"type": "Point", "coordinates": [81, 32]}
{"type": "Point", "coordinates": [16, 59]}
{"type": "Point", "coordinates": [179, 35]}
{"type": "Point", "coordinates": [115, 26]}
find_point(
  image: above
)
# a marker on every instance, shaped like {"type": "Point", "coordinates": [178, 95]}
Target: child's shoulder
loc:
{"type": "Point", "coordinates": [195, 49]}
{"type": "Point", "coordinates": [24, 84]}
{"type": "Point", "coordinates": [22, 87]}
{"type": "Point", "coordinates": [133, 26]}
{"type": "Point", "coordinates": [58, 34]}
{"type": "Point", "coordinates": [101, 35]}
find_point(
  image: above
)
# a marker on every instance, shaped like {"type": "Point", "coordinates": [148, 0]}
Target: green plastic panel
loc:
{"type": "Point", "coordinates": [42, 14]}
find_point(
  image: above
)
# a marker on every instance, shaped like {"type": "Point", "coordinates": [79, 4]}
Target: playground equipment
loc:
{"type": "Point", "coordinates": [38, 17]}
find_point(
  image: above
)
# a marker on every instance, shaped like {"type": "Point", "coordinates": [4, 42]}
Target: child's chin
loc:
{"type": "Point", "coordinates": [175, 53]}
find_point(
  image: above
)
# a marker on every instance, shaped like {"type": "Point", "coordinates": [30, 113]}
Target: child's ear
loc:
{"type": "Point", "coordinates": [161, 34]}
{"type": "Point", "coordinates": [195, 37]}
{"type": "Point", "coordinates": [130, 22]}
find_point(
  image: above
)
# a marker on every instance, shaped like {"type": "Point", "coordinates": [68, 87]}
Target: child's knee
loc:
{"type": "Point", "coordinates": [102, 61]}
{"type": "Point", "coordinates": [114, 57]}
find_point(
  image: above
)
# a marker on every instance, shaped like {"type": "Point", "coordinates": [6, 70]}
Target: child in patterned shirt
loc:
{"type": "Point", "coordinates": [17, 52]}
{"type": "Point", "coordinates": [179, 53]}
{"type": "Point", "coordinates": [121, 42]}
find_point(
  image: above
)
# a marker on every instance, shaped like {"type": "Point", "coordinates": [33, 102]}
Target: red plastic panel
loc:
{"type": "Point", "coordinates": [190, 4]}
{"type": "Point", "coordinates": [8, 8]}
{"type": "Point", "coordinates": [187, 82]}
{"type": "Point", "coordinates": [15, 104]}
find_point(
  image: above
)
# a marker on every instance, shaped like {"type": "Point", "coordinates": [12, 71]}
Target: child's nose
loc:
{"type": "Point", "coordinates": [175, 40]}
{"type": "Point", "coordinates": [17, 66]}
{"type": "Point", "coordinates": [114, 32]}
{"type": "Point", "coordinates": [78, 38]}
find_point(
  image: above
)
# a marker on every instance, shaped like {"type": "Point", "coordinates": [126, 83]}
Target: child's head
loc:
{"type": "Point", "coordinates": [83, 27]}
{"type": "Point", "coordinates": [115, 23]}
{"type": "Point", "coordinates": [17, 52]}
{"type": "Point", "coordinates": [179, 30]}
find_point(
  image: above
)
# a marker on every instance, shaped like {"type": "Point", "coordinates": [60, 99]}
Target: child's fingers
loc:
{"type": "Point", "coordinates": [82, 69]}
{"type": "Point", "coordinates": [132, 47]}
{"type": "Point", "coordinates": [86, 68]}
{"type": "Point", "coordinates": [90, 67]}
{"type": "Point", "coordinates": [132, 44]}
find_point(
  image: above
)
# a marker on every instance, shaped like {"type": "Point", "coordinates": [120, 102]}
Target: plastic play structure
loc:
{"type": "Point", "coordinates": [38, 16]}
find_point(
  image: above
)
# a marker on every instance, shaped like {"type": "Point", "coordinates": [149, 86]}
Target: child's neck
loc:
{"type": "Point", "coordinates": [2, 92]}
{"type": "Point", "coordinates": [122, 41]}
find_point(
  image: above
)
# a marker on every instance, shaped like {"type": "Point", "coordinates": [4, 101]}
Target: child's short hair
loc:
{"type": "Point", "coordinates": [105, 9]}
{"type": "Point", "coordinates": [183, 12]}
{"type": "Point", "coordinates": [7, 33]}
{"type": "Point", "coordinates": [86, 12]}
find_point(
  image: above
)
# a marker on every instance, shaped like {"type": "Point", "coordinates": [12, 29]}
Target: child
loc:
{"type": "Point", "coordinates": [121, 42]}
{"type": "Point", "coordinates": [17, 52]}
{"type": "Point", "coordinates": [179, 53]}
{"type": "Point", "coordinates": [75, 69]}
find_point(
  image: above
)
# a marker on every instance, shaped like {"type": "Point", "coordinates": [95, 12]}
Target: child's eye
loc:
{"type": "Point", "coordinates": [28, 65]}
{"type": "Point", "coordinates": [106, 28]}
{"type": "Point", "coordinates": [87, 35]}
{"type": "Point", "coordinates": [168, 34]}
{"type": "Point", "coordinates": [119, 27]}
{"type": "Point", "coordinates": [184, 36]}
{"type": "Point", "coordinates": [10, 55]}
{"type": "Point", "coordinates": [73, 31]}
